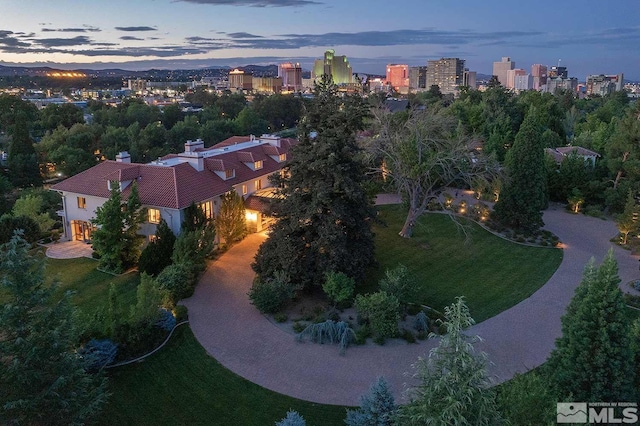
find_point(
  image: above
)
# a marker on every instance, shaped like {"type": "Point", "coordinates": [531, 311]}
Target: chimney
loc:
{"type": "Point", "coordinates": [123, 157]}
{"type": "Point", "coordinates": [192, 146]}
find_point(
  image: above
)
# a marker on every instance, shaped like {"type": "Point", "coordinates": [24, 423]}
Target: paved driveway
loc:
{"type": "Point", "coordinates": [244, 341]}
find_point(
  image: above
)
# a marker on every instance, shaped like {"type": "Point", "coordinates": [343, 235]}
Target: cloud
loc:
{"type": "Point", "coordinates": [60, 42]}
{"type": "Point", "coordinates": [84, 29]}
{"type": "Point", "coordinates": [254, 3]}
{"type": "Point", "coordinates": [10, 39]}
{"type": "Point", "coordinates": [623, 37]}
{"type": "Point", "coordinates": [131, 38]}
{"type": "Point", "coordinates": [140, 28]}
{"type": "Point", "coordinates": [243, 35]}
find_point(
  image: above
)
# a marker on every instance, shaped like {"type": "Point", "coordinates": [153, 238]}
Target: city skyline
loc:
{"type": "Point", "coordinates": [184, 34]}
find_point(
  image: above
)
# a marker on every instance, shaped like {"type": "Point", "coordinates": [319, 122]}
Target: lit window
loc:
{"type": "Point", "coordinates": [244, 189]}
{"type": "Point", "coordinates": [152, 238]}
{"type": "Point", "coordinates": [154, 216]}
{"type": "Point", "coordinates": [258, 184]}
{"type": "Point", "coordinates": [231, 173]}
{"type": "Point", "coordinates": [257, 165]}
{"type": "Point", "coordinates": [207, 209]}
{"type": "Point", "coordinates": [82, 203]}
{"type": "Point", "coordinates": [283, 157]}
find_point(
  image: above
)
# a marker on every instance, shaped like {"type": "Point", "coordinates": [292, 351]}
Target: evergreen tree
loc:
{"type": "Point", "coordinates": [454, 386]}
{"type": "Point", "coordinates": [230, 222]}
{"type": "Point", "coordinates": [593, 360]}
{"type": "Point", "coordinates": [322, 211]}
{"type": "Point", "coordinates": [116, 240]}
{"type": "Point", "coordinates": [42, 379]}
{"type": "Point", "coordinates": [525, 193]}
{"type": "Point", "coordinates": [377, 407]}
{"type": "Point", "coordinates": [23, 163]}
{"type": "Point", "coordinates": [292, 419]}
{"type": "Point", "coordinates": [157, 255]}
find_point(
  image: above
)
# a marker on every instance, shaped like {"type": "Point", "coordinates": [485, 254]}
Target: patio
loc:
{"type": "Point", "coordinates": [69, 250]}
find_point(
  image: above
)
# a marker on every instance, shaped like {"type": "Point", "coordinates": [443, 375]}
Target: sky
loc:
{"type": "Point", "coordinates": [586, 36]}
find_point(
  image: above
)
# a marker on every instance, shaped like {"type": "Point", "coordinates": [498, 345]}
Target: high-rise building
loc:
{"type": "Point", "coordinates": [398, 76]}
{"type": "Point", "coordinates": [240, 80]}
{"type": "Point", "coordinates": [539, 75]}
{"type": "Point", "coordinates": [558, 71]}
{"type": "Point", "coordinates": [337, 67]}
{"type": "Point", "coordinates": [511, 77]}
{"type": "Point", "coordinates": [291, 75]}
{"type": "Point", "coordinates": [523, 82]}
{"type": "Point", "coordinates": [417, 77]}
{"type": "Point", "coordinates": [446, 73]}
{"type": "Point", "coordinates": [500, 69]}
{"type": "Point", "coordinates": [559, 83]}
{"type": "Point", "coordinates": [469, 78]}
{"type": "Point", "coordinates": [604, 84]}
{"type": "Point", "coordinates": [268, 85]}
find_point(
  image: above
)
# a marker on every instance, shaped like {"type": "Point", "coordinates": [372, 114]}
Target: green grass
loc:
{"type": "Point", "coordinates": [491, 273]}
{"type": "Point", "coordinates": [90, 286]}
{"type": "Point", "coordinates": [181, 384]}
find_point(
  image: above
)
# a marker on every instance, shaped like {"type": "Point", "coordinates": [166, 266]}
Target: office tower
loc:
{"type": "Point", "coordinates": [558, 71]}
{"type": "Point", "coordinates": [446, 73]}
{"type": "Point", "coordinates": [398, 75]}
{"type": "Point", "coordinates": [291, 75]}
{"type": "Point", "coordinates": [559, 83]}
{"type": "Point", "coordinates": [511, 77]}
{"type": "Point", "coordinates": [500, 69]}
{"type": "Point", "coordinates": [268, 85]}
{"type": "Point", "coordinates": [417, 77]}
{"type": "Point", "coordinates": [335, 66]}
{"type": "Point", "coordinates": [239, 80]}
{"type": "Point", "coordinates": [469, 78]}
{"type": "Point", "coordinates": [539, 75]}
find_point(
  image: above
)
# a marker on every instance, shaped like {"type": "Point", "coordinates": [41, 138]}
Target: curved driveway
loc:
{"type": "Point", "coordinates": [518, 339]}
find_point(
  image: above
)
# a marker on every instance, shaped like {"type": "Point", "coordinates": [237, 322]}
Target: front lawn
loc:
{"type": "Point", "coordinates": [491, 273]}
{"type": "Point", "coordinates": [90, 286]}
{"type": "Point", "coordinates": [181, 384]}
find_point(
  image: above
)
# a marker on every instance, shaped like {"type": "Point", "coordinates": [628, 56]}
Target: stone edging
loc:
{"type": "Point", "coordinates": [140, 358]}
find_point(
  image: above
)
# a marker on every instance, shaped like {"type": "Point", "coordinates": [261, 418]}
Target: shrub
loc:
{"type": "Point", "coordinates": [380, 310]}
{"type": "Point", "coordinates": [157, 255]}
{"type": "Point", "coordinates": [178, 280]}
{"type": "Point", "coordinates": [166, 320]}
{"type": "Point", "coordinates": [328, 332]}
{"type": "Point", "coordinates": [408, 335]}
{"type": "Point", "coordinates": [9, 224]}
{"type": "Point", "coordinates": [181, 313]}
{"type": "Point", "coordinates": [362, 334]}
{"type": "Point", "coordinates": [280, 317]}
{"type": "Point", "coordinates": [298, 327]}
{"type": "Point", "coordinates": [98, 353]}
{"type": "Point", "coordinates": [338, 287]}
{"type": "Point", "coordinates": [399, 283]}
{"type": "Point", "coordinates": [292, 419]}
{"type": "Point", "coordinates": [271, 295]}
{"type": "Point", "coordinates": [421, 322]}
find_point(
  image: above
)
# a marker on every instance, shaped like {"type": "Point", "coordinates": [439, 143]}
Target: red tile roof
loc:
{"type": "Point", "coordinates": [173, 186]}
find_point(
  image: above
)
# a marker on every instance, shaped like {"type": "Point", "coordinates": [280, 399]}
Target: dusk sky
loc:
{"type": "Point", "coordinates": [589, 37]}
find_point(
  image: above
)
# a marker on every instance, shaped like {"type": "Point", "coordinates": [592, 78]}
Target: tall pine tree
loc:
{"type": "Point", "coordinates": [230, 222]}
{"type": "Point", "coordinates": [525, 193]}
{"type": "Point", "coordinates": [42, 379]}
{"type": "Point", "coordinates": [323, 214]}
{"type": "Point", "coordinates": [23, 163]}
{"type": "Point", "coordinates": [593, 360]}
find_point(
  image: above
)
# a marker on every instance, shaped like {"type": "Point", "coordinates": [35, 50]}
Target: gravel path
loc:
{"type": "Point", "coordinates": [518, 339]}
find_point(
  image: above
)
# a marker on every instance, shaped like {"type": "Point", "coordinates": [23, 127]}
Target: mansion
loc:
{"type": "Point", "coordinates": [169, 185]}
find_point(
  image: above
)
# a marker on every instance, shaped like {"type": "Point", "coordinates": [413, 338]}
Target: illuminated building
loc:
{"type": "Point", "coordinates": [239, 80]}
{"type": "Point", "coordinates": [267, 85]}
{"type": "Point", "coordinates": [446, 73]}
{"type": "Point", "coordinates": [558, 71]}
{"type": "Point", "coordinates": [291, 75]}
{"type": "Point", "coordinates": [337, 67]}
{"type": "Point", "coordinates": [398, 76]}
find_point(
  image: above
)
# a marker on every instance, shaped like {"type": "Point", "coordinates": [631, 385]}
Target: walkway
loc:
{"type": "Point", "coordinates": [244, 341]}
